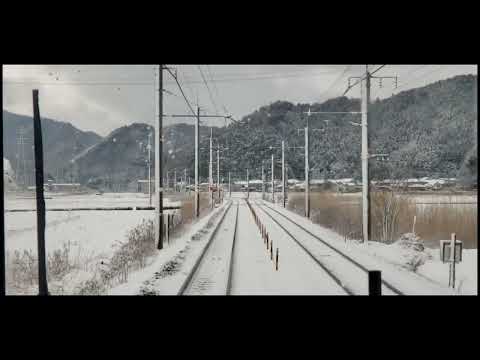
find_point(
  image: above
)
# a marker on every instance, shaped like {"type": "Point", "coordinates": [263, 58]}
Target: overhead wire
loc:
{"type": "Point", "coordinates": [208, 89]}
{"type": "Point", "coordinates": [181, 90]}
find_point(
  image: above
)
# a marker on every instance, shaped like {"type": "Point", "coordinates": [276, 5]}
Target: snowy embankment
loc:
{"type": "Point", "coordinates": [432, 268]}
{"type": "Point", "coordinates": [169, 268]}
{"type": "Point", "coordinates": [395, 262]}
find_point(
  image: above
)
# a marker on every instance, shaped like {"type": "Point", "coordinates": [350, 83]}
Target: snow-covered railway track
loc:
{"type": "Point", "coordinates": [342, 268]}
{"type": "Point", "coordinates": [212, 272]}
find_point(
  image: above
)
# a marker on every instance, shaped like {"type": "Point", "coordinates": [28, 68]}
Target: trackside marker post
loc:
{"type": "Point", "coordinates": [276, 261]}
{"type": "Point", "coordinates": [374, 283]}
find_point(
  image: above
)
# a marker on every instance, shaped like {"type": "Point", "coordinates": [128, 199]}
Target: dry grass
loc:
{"type": "Point", "coordinates": [392, 216]}
{"type": "Point", "coordinates": [439, 222]}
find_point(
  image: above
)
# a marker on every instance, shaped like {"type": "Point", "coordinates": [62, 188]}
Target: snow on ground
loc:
{"type": "Point", "coordinates": [92, 230]}
{"type": "Point", "coordinates": [254, 272]}
{"type": "Point", "coordinates": [394, 272]}
{"type": "Point", "coordinates": [211, 276]}
{"type": "Point", "coordinates": [168, 270]}
{"type": "Point", "coordinates": [91, 235]}
{"type": "Point", "coordinates": [433, 269]}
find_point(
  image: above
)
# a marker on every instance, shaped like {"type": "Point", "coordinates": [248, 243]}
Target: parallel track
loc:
{"type": "Point", "coordinates": [198, 264]}
{"type": "Point", "coordinates": [337, 280]}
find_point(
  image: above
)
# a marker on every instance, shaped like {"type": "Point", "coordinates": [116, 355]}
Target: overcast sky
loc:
{"type": "Point", "coordinates": [102, 98]}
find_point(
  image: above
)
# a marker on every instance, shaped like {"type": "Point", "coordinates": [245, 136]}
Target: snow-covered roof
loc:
{"type": "Point", "coordinates": [7, 168]}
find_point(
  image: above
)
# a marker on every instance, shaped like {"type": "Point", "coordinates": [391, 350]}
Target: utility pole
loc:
{"type": "Point", "coordinates": [39, 181]}
{"type": "Point", "coordinates": [229, 186]}
{"type": "Point", "coordinates": [218, 172]}
{"type": "Point", "coordinates": [2, 220]}
{"type": "Point", "coordinates": [210, 169]}
{"type": "Point", "coordinates": [197, 194]}
{"type": "Point", "coordinates": [185, 180]}
{"type": "Point", "coordinates": [175, 180]}
{"type": "Point", "coordinates": [248, 186]}
{"type": "Point", "coordinates": [273, 180]}
{"type": "Point", "coordinates": [307, 172]}
{"type": "Point", "coordinates": [263, 182]}
{"type": "Point", "coordinates": [21, 161]}
{"type": "Point", "coordinates": [158, 164]}
{"type": "Point", "coordinates": [365, 82]}
{"type": "Point", "coordinates": [149, 169]}
{"type": "Point", "coordinates": [197, 144]}
{"type": "Point", "coordinates": [366, 211]}
{"type": "Point", "coordinates": [283, 172]}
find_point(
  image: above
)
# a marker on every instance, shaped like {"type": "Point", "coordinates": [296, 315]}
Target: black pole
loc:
{"type": "Point", "coordinates": [374, 283]}
{"type": "Point", "coordinates": [2, 220]}
{"type": "Point", "coordinates": [37, 131]}
{"type": "Point", "coordinates": [160, 154]}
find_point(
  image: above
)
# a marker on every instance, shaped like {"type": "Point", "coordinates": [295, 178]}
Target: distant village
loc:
{"type": "Point", "coordinates": [347, 185]}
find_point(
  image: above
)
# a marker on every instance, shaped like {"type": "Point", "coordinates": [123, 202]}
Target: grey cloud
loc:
{"type": "Point", "coordinates": [102, 108]}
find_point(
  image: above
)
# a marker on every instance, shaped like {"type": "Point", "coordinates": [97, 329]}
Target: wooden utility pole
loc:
{"type": "Point", "coordinates": [210, 169]}
{"type": "Point", "coordinates": [159, 165]}
{"type": "Point", "coordinates": [39, 182]}
{"type": "Point", "coordinates": [366, 212]}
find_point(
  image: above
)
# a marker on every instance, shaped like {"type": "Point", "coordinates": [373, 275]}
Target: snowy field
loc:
{"type": "Point", "coordinates": [94, 231]}
{"type": "Point", "coordinates": [91, 235]}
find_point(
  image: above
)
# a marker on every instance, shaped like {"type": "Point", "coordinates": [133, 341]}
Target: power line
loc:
{"type": "Point", "coordinates": [210, 72]}
{"type": "Point", "coordinates": [336, 81]}
{"type": "Point", "coordinates": [254, 78]}
{"type": "Point", "coordinates": [181, 90]}
{"type": "Point", "coordinates": [208, 88]}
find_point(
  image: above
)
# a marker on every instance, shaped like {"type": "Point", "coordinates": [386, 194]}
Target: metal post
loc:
{"type": "Point", "coordinates": [39, 182]}
{"type": "Point", "coordinates": [159, 165]}
{"type": "Point", "coordinates": [365, 158]}
{"type": "Point", "coordinates": [263, 183]}
{"type": "Point", "coordinates": [185, 180]}
{"type": "Point", "coordinates": [248, 186]}
{"type": "Point", "coordinates": [218, 172]}
{"type": "Point", "coordinates": [283, 173]}
{"type": "Point", "coordinates": [167, 182]}
{"type": "Point", "coordinates": [374, 283]}
{"type": "Point", "coordinates": [149, 170]}
{"type": "Point", "coordinates": [197, 195]}
{"type": "Point", "coordinates": [307, 172]}
{"type": "Point", "coordinates": [273, 180]}
{"type": "Point", "coordinates": [229, 186]}
{"type": "Point", "coordinates": [210, 170]}
{"type": "Point", "coordinates": [175, 180]}
{"type": "Point", "coordinates": [452, 259]}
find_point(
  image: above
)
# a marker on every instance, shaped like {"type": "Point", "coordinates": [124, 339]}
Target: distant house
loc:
{"type": "Point", "coordinates": [142, 186]}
